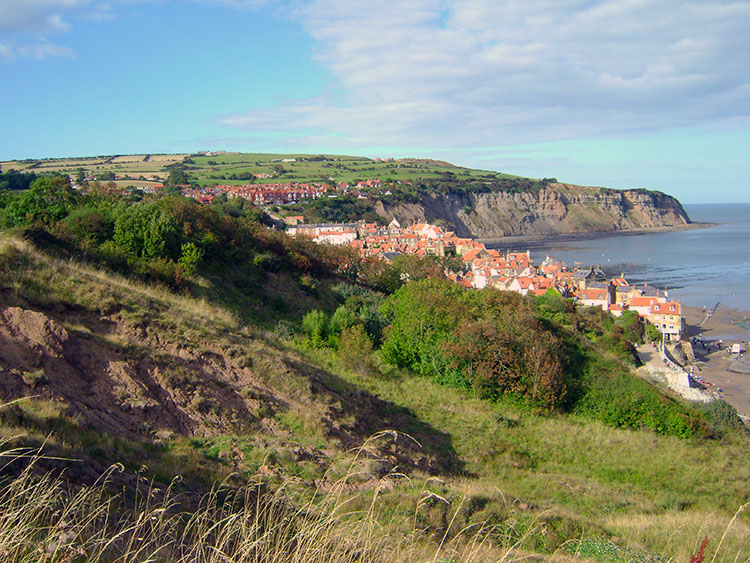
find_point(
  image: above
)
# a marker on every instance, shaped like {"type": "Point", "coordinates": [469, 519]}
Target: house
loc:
{"type": "Point", "coordinates": [595, 297]}
{"type": "Point", "coordinates": [667, 318]}
{"type": "Point", "coordinates": [582, 277]}
{"type": "Point", "coordinates": [616, 310]}
{"type": "Point", "coordinates": [642, 304]}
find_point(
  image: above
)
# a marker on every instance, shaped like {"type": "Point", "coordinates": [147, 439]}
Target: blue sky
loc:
{"type": "Point", "coordinates": [618, 93]}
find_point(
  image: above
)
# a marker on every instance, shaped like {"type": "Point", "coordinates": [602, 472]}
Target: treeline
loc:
{"type": "Point", "coordinates": [14, 180]}
{"type": "Point", "coordinates": [341, 209]}
{"type": "Point", "coordinates": [167, 239]}
{"type": "Point", "coordinates": [344, 209]}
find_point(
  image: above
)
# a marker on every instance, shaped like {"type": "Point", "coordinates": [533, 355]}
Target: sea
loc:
{"type": "Point", "coordinates": [700, 267]}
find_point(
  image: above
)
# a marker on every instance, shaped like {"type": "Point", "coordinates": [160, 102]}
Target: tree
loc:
{"type": "Point", "coordinates": [91, 224]}
{"type": "Point", "coordinates": [355, 349]}
{"type": "Point", "coordinates": [145, 231]}
{"type": "Point", "coordinates": [190, 258]}
{"type": "Point", "coordinates": [315, 325]}
{"type": "Point", "coordinates": [49, 199]}
{"type": "Point", "coordinates": [177, 177]}
{"type": "Point", "coordinates": [13, 180]}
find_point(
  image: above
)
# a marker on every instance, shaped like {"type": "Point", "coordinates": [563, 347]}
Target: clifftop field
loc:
{"type": "Point", "coordinates": [218, 168]}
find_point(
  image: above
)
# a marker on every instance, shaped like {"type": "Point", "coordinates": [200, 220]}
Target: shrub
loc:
{"type": "Point", "coordinates": [91, 224]}
{"type": "Point", "coordinates": [721, 416]}
{"type": "Point", "coordinates": [190, 258]}
{"type": "Point", "coordinates": [144, 230]}
{"type": "Point", "coordinates": [355, 349]}
{"type": "Point", "coordinates": [315, 326]}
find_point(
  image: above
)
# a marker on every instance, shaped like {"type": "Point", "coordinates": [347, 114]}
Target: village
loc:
{"type": "Point", "coordinates": [282, 193]}
{"type": "Point", "coordinates": [505, 271]}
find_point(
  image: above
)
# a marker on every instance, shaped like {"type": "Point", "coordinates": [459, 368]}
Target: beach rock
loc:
{"type": "Point", "coordinates": [740, 365]}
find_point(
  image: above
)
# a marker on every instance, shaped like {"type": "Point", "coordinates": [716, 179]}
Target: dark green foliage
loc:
{"type": "Point", "coordinates": [540, 351]}
{"type": "Point", "coordinates": [341, 209]}
{"type": "Point", "coordinates": [93, 224]}
{"type": "Point", "coordinates": [653, 333]}
{"type": "Point", "coordinates": [488, 341]}
{"type": "Point", "coordinates": [342, 319]}
{"type": "Point", "coordinates": [363, 303]}
{"type": "Point", "coordinates": [619, 399]}
{"type": "Point", "coordinates": [631, 325]}
{"type": "Point", "coordinates": [145, 231]}
{"type": "Point", "coordinates": [721, 416]}
{"type": "Point", "coordinates": [48, 199]}
{"type": "Point", "coordinates": [190, 258]}
{"type": "Point", "coordinates": [315, 326]}
{"type": "Point", "coordinates": [177, 176]}
{"type": "Point", "coordinates": [12, 180]}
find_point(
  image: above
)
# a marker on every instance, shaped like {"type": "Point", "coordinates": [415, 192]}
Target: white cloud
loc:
{"type": "Point", "coordinates": [31, 22]}
{"type": "Point", "coordinates": [481, 72]}
{"type": "Point", "coordinates": [38, 16]}
{"type": "Point", "coordinates": [43, 50]}
{"type": "Point", "coordinates": [7, 52]}
{"type": "Point", "coordinates": [239, 4]}
{"type": "Point", "coordinates": [38, 50]}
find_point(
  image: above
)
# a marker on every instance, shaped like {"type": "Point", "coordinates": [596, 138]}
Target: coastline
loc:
{"type": "Point", "coordinates": [713, 364]}
{"type": "Point", "coordinates": [541, 241]}
{"type": "Point", "coordinates": [726, 375]}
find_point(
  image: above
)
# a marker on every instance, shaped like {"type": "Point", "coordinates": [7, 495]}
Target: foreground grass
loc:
{"type": "Point", "coordinates": [658, 493]}
{"type": "Point", "coordinates": [41, 519]}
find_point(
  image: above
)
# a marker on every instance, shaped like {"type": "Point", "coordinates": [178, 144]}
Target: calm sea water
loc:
{"type": "Point", "coordinates": [700, 267]}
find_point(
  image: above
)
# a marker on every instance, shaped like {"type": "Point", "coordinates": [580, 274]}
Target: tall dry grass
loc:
{"type": "Point", "coordinates": [20, 262]}
{"type": "Point", "coordinates": [43, 519]}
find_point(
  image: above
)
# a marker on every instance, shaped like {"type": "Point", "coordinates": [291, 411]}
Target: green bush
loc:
{"type": "Point", "coordinates": [315, 326]}
{"type": "Point", "coordinates": [190, 258]}
{"type": "Point", "coordinates": [721, 416]}
{"type": "Point", "coordinates": [146, 231]}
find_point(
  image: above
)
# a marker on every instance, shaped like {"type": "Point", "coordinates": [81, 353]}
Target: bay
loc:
{"type": "Point", "coordinates": [700, 267]}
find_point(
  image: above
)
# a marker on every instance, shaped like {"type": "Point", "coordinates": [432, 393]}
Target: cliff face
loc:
{"type": "Point", "coordinates": [556, 209]}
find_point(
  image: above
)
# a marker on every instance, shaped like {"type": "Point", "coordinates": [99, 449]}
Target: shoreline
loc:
{"type": "Point", "coordinates": [540, 241]}
{"type": "Point", "coordinates": [712, 363]}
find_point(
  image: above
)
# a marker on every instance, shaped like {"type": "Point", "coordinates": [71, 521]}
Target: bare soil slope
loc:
{"type": "Point", "coordinates": [139, 366]}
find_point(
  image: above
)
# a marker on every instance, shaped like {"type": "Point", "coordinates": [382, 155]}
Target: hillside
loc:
{"type": "Point", "coordinates": [117, 370]}
{"type": "Point", "coordinates": [477, 203]}
{"type": "Point", "coordinates": [176, 338]}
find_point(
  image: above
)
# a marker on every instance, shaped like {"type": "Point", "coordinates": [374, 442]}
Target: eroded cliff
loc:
{"type": "Point", "coordinates": [555, 209]}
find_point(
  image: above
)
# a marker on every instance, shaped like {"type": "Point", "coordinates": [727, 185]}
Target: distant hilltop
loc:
{"type": "Point", "coordinates": [475, 203]}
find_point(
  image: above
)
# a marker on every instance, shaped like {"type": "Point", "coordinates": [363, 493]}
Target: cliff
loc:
{"type": "Point", "coordinates": [555, 209]}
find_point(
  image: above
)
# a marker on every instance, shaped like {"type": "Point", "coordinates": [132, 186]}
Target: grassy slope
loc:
{"type": "Point", "coordinates": [565, 476]}
{"type": "Point", "coordinates": [661, 493]}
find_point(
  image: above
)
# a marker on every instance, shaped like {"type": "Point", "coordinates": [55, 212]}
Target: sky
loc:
{"type": "Point", "coordinates": [617, 93]}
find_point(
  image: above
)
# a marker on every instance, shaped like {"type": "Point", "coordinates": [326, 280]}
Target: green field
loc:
{"type": "Point", "coordinates": [218, 168]}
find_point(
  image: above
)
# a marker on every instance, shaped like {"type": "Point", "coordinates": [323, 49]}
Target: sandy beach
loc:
{"type": "Point", "coordinates": [711, 363]}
